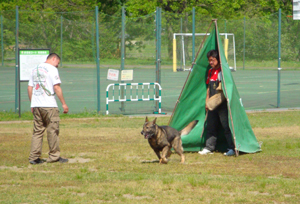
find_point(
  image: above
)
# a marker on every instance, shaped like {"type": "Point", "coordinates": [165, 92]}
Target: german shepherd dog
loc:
{"type": "Point", "coordinates": [163, 138]}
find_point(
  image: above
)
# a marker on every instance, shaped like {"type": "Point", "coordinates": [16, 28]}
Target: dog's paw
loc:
{"type": "Point", "coordinates": [163, 161]}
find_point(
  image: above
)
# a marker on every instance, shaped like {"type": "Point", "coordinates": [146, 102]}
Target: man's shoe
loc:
{"type": "Point", "coordinates": [37, 161]}
{"type": "Point", "coordinates": [205, 151]}
{"type": "Point", "coordinates": [231, 152]}
{"type": "Point", "coordinates": [62, 160]}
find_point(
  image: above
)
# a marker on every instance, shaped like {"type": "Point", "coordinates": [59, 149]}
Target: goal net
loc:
{"type": "Point", "coordinates": [183, 49]}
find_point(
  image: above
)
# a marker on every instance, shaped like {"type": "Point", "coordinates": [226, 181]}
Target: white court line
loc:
{"type": "Point", "coordinates": [280, 91]}
{"type": "Point", "coordinates": [5, 96]}
{"type": "Point", "coordinates": [268, 77]}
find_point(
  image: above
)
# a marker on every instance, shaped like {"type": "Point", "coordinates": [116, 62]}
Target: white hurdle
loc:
{"type": "Point", "coordinates": [131, 86]}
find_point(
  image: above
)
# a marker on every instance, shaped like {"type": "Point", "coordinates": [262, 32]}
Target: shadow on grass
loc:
{"type": "Point", "coordinates": [150, 161]}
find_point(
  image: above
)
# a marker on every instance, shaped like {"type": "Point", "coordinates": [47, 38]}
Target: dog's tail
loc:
{"type": "Point", "coordinates": [188, 128]}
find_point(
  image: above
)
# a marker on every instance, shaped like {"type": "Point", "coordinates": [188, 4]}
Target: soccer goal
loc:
{"type": "Point", "coordinates": [182, 49]}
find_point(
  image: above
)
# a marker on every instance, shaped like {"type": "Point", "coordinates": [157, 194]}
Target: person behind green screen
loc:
{"type": "Point", "coordinates": [219, 116]}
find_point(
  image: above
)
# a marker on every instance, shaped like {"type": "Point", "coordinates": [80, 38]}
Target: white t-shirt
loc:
{"type": "Point", "coordinates": [48, 77]}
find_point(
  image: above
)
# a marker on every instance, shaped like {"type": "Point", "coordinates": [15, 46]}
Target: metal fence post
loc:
{"type": "Point", "coordinates": [97, 59]}
{"type": "Point", "coordinates": [17, 82]}
{"type": "Point", "coordinates": [158, 50]}
{"type": "Point", "coordinates": [279, 58]}
{"type": "Point", "coordinates": [193, 50]}
{"type": "Point", "coordinates": [2, 50]}
{"type": "Point", "coordinates": [182, 47]}
{"type": "Point", "coordinates": [156, 44]}
{"type": "Point", "coordinates": [244, 43]}
{"type": "Point", "coordinates": [159, 46]}
{"type": "Point", "coordinates": [123, 54]}
{"type": "Point", "coordinates": [61, 40]}
{"type": "Point", "coordinates": [123, 40]}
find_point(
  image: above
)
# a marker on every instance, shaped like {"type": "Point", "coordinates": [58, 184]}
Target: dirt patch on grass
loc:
{"type": "Point", "coordinates": [80, 160]}
{"type": "Point", "coordinates": [14, 168]}
{"type": "Point", "coordinates": [259, 193]}
{"type": "Point", "coordinates": [79, 194]}
{"type": "Point", "coordinates": [129, 196]}
{"type": "Point", "coordinates": [70, 187]}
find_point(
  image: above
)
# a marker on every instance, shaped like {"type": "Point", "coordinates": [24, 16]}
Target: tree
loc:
{"type": "Point", "coordinates": [40, 21]}
{"type": "Point", "coordinates": [174, 11]}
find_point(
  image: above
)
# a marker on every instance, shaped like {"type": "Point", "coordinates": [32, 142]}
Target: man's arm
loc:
{"type": "Point", "coordinates": [59, 93]}
{"type": "Point", "coordinates": [29, 90]}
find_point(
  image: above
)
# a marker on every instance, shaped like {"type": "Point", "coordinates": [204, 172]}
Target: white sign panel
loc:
{"type": "Point", "coordinates": [127, 75]}
{"type": "Point", "coordinates": [296, 9]}
{"type": "Point", "coordinates": [29, 59]}
{"type": "Point", "coordinates": [113, 74]}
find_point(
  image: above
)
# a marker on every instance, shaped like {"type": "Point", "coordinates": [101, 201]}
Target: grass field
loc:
{"type": "Point", "coordinates": [106, 165]}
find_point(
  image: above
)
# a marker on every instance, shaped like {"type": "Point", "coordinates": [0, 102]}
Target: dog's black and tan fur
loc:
{"type": "Point", "coordinates": [163, 138]}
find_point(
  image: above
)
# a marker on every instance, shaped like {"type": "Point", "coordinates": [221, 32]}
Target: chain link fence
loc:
{"type": "Point", "coordinates": [252, 49]}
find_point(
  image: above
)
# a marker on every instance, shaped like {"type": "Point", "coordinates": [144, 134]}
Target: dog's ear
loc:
{"type": "Point", "coordinates": [146, 120]}
{"type": "Point", "coordinates": [154, 121]}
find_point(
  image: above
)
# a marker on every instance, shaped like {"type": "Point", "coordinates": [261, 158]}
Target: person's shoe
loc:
{"type": "Point", "coordinates": [205, 151]}
{"type": "Point", "coordinates": [62, 160]}
{"type": "Point", "coordinates": [37, 161]}
{"type": "Point", "coordinates": [230, 152]}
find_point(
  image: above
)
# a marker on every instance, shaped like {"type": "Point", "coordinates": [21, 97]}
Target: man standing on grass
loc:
{"type": "Point", "coordinates": [44, 83]}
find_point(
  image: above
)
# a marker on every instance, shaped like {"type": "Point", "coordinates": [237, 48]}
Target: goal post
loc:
{"type": "Point", "coordinates": [174, 56]}
{"type": "Point", "coordinates": [181, 51]}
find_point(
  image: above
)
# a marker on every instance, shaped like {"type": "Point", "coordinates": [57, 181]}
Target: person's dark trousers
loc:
{"type": "Point", "coordinates": [216, 119]}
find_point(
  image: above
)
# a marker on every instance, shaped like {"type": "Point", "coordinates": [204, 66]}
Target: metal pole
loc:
{"type": "Point", "coordinates": [17, 81]}
{"type": "Point", "coordinates": [123, 55]}
{"type": "Point", "coordinates": [156, 33]}
{"type": "Point", "coordinates": [97, 60]}
{"type": "Point", "coordinates": [2, 50]}
{"type": "Point", "coordinates": [61, 41]}
{"type": "Point", "coordinates": [158, 50]}
{"type": "Point", "coordinates": [193, 51]}
{"type": "Point", "coordinates": [159, 46]}
{"type": "Point", "coordinates": [123, 40]}
{"type": "Point", "coordinates": [244, 43]}
{"type": "Point", "coordinates": [279, 58]}
{"type": "Point", "coordinates": [182, 46]}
